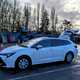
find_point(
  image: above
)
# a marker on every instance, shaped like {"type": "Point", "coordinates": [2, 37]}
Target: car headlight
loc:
{"type": "Point", "coordinates": [7, 54]}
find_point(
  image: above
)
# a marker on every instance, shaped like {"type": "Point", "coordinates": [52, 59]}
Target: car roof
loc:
{"type": "Point", "coordinates": [35, 40]}
{"type": "Point", "coordinates": [43, 38]}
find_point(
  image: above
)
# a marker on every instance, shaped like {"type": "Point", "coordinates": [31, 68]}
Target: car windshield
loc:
{"type": "Point", "coordinates": [29, 43]}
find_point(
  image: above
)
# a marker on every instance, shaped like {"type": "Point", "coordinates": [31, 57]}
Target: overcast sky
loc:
{"type": "Point", "coordinates": [67, 9]}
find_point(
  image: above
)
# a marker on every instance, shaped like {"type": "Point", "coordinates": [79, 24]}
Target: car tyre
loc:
{"type": "Point", "coordinates": [69, 58]}
{"type": "Point", "coordinates": [23, 63]}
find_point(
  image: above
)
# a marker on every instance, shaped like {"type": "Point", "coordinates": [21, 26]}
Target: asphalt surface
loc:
{"type": "Point", "coordinates": [52, 71]}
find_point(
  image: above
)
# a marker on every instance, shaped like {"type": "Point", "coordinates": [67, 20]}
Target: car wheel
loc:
{"type": "Point", "coordinates": [23, 63]}
{"type": "Point", "coordinates": [69, 57]}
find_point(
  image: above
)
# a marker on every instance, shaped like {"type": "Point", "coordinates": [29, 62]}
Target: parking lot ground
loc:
{"type": "Point", "coordinates": [48, 72]}
{"type": "Point", "coordinates": [45, 72]}
{"type": "Point", "coordinates": [52, 71]}
{"type": "Point", "coordinates": [69, 74]}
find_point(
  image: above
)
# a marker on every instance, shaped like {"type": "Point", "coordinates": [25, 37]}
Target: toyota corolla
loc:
{"type": "Point", "coordinates": [38, 51]}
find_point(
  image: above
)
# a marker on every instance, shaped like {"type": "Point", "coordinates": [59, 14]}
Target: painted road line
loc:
{"type": "Point", "coordinates": [46, 72]}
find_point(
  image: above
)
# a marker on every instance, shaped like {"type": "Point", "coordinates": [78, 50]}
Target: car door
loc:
{"type": "Point", "coordinates": [58, 49]}
{"type": "Point", "coordinates": [43, 51]}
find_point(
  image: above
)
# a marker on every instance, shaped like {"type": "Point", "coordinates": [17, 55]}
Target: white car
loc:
{"type": "Point", "coordinates": [38, 51]}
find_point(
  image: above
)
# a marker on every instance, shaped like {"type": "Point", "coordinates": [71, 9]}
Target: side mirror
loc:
{"type": "Point", "coordinates": [39, 46]}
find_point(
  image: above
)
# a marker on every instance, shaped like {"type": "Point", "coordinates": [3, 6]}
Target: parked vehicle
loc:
{"type": "Point", "coordinates": [13, 37]}
{"type": "Point", "coordinates": [69, 34]}
{"type": "Point", "coordinates": [77, 37]}
{"type": "Point", "coordinates": [40, 34]}
{"type": "Point", "coordinates": [18, 37]}
{"type": "Point", "coordinates": [38, 51]}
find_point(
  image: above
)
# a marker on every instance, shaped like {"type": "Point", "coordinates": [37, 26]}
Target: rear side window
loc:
{"type": "Point", "coordinates": [57, 42]}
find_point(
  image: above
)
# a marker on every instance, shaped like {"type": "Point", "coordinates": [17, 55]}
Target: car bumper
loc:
{"type": "Point", "coordinates": [6, 62]}
{"type": "Point", "coordinates": [2, 63]}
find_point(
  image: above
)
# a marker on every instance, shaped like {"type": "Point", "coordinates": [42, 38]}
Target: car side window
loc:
{"type": "Point", "coordinates": [57, 42]}
{"type": "Point", "coordinates": [44, 43]}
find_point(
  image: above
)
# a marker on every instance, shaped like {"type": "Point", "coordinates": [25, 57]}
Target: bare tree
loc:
{"type": "Point", "coordinates": [38, 15]}
{"type": "Point", "coordinates": [9, 14]}
{"type": "Point", "coordinates": [27, 14]}
{"type": "Point", "coordinates": [1, 11]}
{"type": "Point", "coordinates": [44, 20]}
{"type": "Point", "coordinates": [53, 19]}
{"type": "Point", "coordinates": [34, 19]}
{"type": "Point", "coordinates": [4, 12]}
{"type": "Point", "coordinates": [14, 14]}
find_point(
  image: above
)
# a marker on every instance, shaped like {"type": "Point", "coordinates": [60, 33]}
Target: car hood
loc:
{"type": "Point", "coordinates": [11, 49]}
